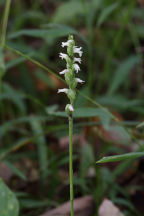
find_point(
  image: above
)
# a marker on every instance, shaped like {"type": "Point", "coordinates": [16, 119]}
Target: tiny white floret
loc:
{"type": "Point", "coordinates": [79, 80]}
{"type": "Point", "coordinates": [63, 56]}
{"type": "Point", "coordinates": [78, 50]}
{"type": "Point", "coordinates": [63, 72]}
{"type": "Point", "coordinates": [77, 60]}
{"type": "Point", "coordinates": [66, 43]}
{"type": "Point", "coordinates": [64, 90]}
{"type": "Point", "coordinates": [71, 108]}
{"type": "Point", "coordinates": [76, 67]}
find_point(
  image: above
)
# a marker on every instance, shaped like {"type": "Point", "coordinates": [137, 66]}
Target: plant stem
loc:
{"type": "Point", "coordinates": [2, 40]}
{"type": "Point", "coordinates": [5, 21]}
{"type": "Point", "coordinates": [71, 163]}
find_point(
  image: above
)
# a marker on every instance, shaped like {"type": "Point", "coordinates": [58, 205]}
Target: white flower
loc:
{"type": "Point", "coordinates": [66, 43]}
{"type": "Point", "coordinates": [77, 60]}
{"type": "Point", "coordinates": [78, 50]}
{"type": "Point", "coordinates": [76, 67]}
{"type": "Point", "coordinates": [64, 90]}
{"type": "Point", "coordinates": [79, 80]}
{"type": "Point", "coordinates": [63, 72]}
{"type": "Point", "coordinates": [70, 107]}
{"type": "Point", "coordinates": [63, 56]}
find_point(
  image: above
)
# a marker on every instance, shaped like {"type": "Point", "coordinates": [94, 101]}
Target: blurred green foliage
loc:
{"type": "Point", "coordinates": [32, 125]}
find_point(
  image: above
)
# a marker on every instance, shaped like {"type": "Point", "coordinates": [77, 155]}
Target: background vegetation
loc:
{"type": "Point", "coordinates": [33, 130]}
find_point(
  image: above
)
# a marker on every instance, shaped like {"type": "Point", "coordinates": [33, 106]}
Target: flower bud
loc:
{"type": "Point", "coordinates": [70, 48]}
{"type": "Point", "coordinates": [69, 109]}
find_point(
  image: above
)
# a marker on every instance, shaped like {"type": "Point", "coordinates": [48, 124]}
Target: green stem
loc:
{"type": "Point", "coordinates": [5, 21]}
{"type": "Point", "coordinates": [3, 39]}
{"type": "Point", "coordinates": [71, 163]}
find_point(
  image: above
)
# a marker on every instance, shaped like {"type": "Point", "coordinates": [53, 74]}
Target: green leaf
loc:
{"type": "Point", "coordinates": [140, 125]}
{"type": "Point", "coordinates": [29, 17]}
{"type": "Point", "coordinates": [87, 158]}
{"type": "Point", "coordinates": [115, 158]}
{"type": "Point", "coordinates": [138, 13]}
{"type": "Point", "coordinates": [67, 11]}
{"type": "Point", "coordinates": [85, 112]}
{"type": "Point", "coordinates": [42, 146]}
{"type": "Point", "coordinates": [12, 124]}
{"type": "Point", "coordinates": [49, 32]}
{"type": "Point", "coordinates": [118, 102]}
{"type": "Point", "coordinates": [31, 203]}
{"type": "Point", "coordinates": [16, 61]}
{"type": "Point", "coordinates": [9, 205]}
{"type": "Point", "coordinates": [106, 12]}
{"type": "Point", "coordinates": [2, 2]}
{"type": "Point", "coordinates": [2, 64]}
{"type": "Point", "coordinates": [46, 34]}
{"type": "Point", "coordinates": [44, 77]}
{"type": "Point", "coordinates": [16, 171]}
{"type": "Point", "coordinates": [140, 30]}
{"type": "Point", "coordinates": [15, 96]}
{"type": "Point", "coordinates": [122, 73]}
{"type": "Point", "coordinates": [118, 134]}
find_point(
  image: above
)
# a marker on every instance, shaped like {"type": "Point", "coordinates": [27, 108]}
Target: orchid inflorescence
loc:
{"type": "Point", "coordinates": [69, 73]}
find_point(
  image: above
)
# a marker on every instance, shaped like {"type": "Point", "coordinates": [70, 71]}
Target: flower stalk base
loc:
{"type": "Point", "coordinates": [71, 163]}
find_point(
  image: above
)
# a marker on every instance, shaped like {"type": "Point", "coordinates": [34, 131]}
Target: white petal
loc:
{"type": "Point", "coordinates": [71, 108]}
{"type": "Point", "coordinates": [64, 90]}
{"type": "Point", "coordinates": [78, 50]}
{"type": "Point", "coordinates": [76, 67]}
{"type": "Point", "coordinates": [63, 55]}
{"type": "Point", "coordinates": [66, 43]}
{"type": "Point", "coordinates": [77, 60]}
{"type": "Point", "coordinates": [63, 72]}
{"type": "Point", "coordinates": [79, 80]}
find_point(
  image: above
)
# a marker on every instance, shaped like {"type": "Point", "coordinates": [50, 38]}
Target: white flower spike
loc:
{"type": "Point", "coordinates": [76, 67]}
{"type": "Point", "coordinates": [63, 72]}
{"type": "Point", "coordinates": [72, 67]}
{"type": "Point", "coordinates": [66, 43]}
{"type": "Point", "coordinates": [64, 90]}
{"type": "Point", "coordinates": [78, 50]}
{"type": "Point", "coordinates": [79, 80]}
{"type": "Point", "coordinates": [77, 60]}
{"type": "Point", "coordinates": [63, 56]}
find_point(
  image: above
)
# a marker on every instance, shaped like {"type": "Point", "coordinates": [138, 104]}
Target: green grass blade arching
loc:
{"type": "Point", "coordinates": [121, 157]}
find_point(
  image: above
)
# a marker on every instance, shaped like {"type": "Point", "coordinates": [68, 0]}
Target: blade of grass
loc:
{"type": "Point", "coordinates": [35, 62]}
{"type": "Point", "coordinates": [137, 44]}
{"type": "Point", "coordinates": [2, 44]}
{"type": "Point", "coordinates": [42, 147]}
{"type": "Point", "coordinates": [116, 158]}
{"type": "Point", "coordinates": [15, 170]}
{"type": "Point", "coordinates": [5, 22]}
{"type": "Point", "coordinates": [115, 45]}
